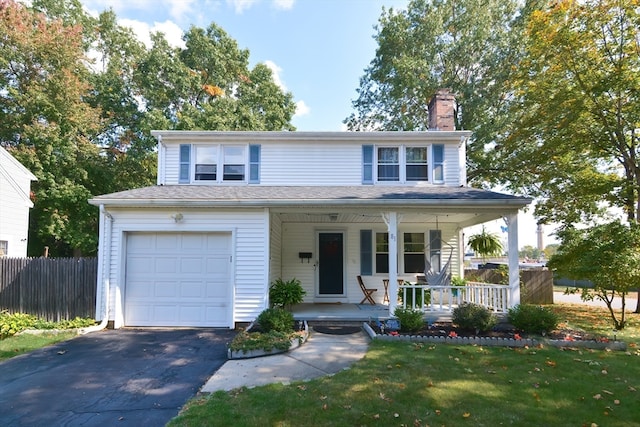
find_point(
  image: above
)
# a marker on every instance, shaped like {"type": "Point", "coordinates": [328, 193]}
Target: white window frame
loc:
{"type": "Point", "coordinates": [220, 163]}
{"type": "Point", "coordinates": [402, 164]}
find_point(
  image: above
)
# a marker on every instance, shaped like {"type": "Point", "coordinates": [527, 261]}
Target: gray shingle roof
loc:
{"type": "Point", "coordinates": [257, 195]}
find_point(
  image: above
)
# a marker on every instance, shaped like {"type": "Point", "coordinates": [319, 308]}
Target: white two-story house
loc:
{"type": "Point", "coordinates": [15, 203]}
{"type": "Point", "coordinates": [233, 211]}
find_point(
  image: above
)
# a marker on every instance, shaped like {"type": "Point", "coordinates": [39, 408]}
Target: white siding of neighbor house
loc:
{"type": "Point", "coordinates": [15, 188]}
{"type": "Point", "coordinates": [249, 230]}
{"type": "Point", "coordinates": [305, 163]}
{"type": "Point", "coordinates": [302, 237]}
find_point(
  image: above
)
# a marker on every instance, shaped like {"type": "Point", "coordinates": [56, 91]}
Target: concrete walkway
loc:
{"type": "Point", "coordinates": [322, 354]}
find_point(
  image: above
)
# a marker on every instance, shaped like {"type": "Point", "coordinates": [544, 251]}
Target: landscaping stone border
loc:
{"type": "Point", "coordinates": [295, 343]}
{"type": "Point", "coordinates": [498, 342]}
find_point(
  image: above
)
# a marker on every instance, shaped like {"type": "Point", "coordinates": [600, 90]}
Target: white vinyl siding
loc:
{"type": "Point", "coordinates": [249, 229]}
{"type": "Point", "coordinates": [311, 164]}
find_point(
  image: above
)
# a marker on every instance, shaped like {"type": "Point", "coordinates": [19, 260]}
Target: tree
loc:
{"type": "Point", "coordinates": [530, 252]}
{"type": "Point", "coordinates": [485, 244]}
{"type": "Point", "coordinates": [83, 126]}
{"type": "Point", "coordinates": [573, 142]}
{"type": "Point", "coordinates": [464, 45]}
{"type": "Point", "coordinates": [46, 124]}
{"type": "Point", "coordinates": [608, 255]}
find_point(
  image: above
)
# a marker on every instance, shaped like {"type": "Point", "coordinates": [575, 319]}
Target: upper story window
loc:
{"type": "Point", "coordinates": [219, 163]}
{"type": "Point", "coordinates": [402, 164]}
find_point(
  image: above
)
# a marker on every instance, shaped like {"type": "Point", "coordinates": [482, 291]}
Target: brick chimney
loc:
{"type": "Point", "coordinates": [442, 108]}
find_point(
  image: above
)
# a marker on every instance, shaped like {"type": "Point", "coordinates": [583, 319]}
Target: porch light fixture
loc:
{"type": "Point", "coordinates": [177, 217]}
{"type": "Point", "coordinates": [333, 217]}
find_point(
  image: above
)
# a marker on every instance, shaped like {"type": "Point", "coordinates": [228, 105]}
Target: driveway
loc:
{"type": "Point", "coordinates": [123, 377]}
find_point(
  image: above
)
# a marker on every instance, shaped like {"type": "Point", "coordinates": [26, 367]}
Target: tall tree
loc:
{"type": "Point", "coordinates": [574, 140]}
{"type": "Point", "coordinates": [464, 45]}
{"type": "Point", "coordinates": [46, 124]}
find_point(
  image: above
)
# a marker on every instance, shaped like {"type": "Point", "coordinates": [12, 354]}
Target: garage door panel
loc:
{"type": "Point", "coordinates": [178, 279]}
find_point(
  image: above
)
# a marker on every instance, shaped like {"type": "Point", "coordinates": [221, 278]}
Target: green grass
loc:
{"type": "Point", "coordinates": [411, 384]}
{"type": "Point", "coordinates": [16, 345]}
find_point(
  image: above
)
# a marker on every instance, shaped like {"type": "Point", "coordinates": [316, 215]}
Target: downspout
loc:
{"type": "Point", "coordinates": [104, 251]}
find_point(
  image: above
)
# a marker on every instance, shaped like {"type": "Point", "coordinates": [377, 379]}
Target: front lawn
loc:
{"type": "Point", "coordinates": [418, 384]}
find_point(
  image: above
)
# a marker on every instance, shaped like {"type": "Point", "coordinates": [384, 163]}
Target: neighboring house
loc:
{"type": "Point", "coordinates": [15, 202]}
{"type": "Point", "coordinates": [234, 211]}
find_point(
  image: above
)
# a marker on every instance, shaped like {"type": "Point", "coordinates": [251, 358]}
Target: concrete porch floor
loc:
{"type": "Point", "coordinates": [353, 313]}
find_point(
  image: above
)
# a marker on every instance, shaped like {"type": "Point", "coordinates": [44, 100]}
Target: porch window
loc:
{"type": "Point", "coordinates": [416, 164]}
{"type": "Point", "coordinates": [382, 253]}
{"type": "Point", "coordinates": [206, 163]}
{"type": "Point", "coordinates": [388, 164]}
{"type": "Point", "coordinates": [413, 252]}
{"type": "Point", "coordinates": [4, 248]}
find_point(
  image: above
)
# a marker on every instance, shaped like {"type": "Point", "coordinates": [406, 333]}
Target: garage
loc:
{"type": "Point", "coordinates": [178, 279]}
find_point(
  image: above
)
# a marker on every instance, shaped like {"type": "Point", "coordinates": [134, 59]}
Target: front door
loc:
{"type": "Point", "coordinates": [330, 264]}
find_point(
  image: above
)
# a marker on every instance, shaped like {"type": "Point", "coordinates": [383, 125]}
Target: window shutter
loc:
{"type": "Point", "coordinates": [367, 164]}
{"type": "Point", "coordinates": [366, 253]}
{"type": "Point", "coordinates": [185, 163]}
{"type": "Point", "coordinates": [254, 164]}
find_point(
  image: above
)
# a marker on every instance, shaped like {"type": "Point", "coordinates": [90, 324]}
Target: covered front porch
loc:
{"type": "Point", "coordinates": [439, 303]}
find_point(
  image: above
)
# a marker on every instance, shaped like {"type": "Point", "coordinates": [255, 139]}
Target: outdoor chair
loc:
{"type": "Point", "coordinates": [367, 292]}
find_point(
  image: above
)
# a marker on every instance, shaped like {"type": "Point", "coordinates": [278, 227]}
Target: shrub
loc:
{"type": "Point", "coordinates": [11, 324]}
{"type": "Point", "coordinates": [410, 320]}
{"type": "Point", "coordinates": [473, 317]}
{"type": "Point", "coordinates": [534, 319]}
{"type": "Point", "coordinates": [276, 319]}
{"type": "Point", "coordinates": [285, 294]}
{"type": "Point", "coordinates": [247, 341]}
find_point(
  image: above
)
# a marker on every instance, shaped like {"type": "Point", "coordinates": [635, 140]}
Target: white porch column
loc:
{"type": "Point", "coordinates": [514, 260]}
{"type": "Point", "coordinates": [391, 219]}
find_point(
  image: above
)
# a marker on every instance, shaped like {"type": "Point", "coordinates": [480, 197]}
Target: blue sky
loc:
{"type": "Point", "coordinates": [318, 49]}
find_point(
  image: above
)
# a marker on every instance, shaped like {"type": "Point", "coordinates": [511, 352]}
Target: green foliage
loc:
{"type": "Point", "coordinates": [410, 319]}
{"type": "Point", "coordinates": [285, 294]}
{"type": "Point", "coordinates": [486, 244]}
{"type": "Point", "coordinates": [267, 341]}
{"type": "Point", "coordinates": [473, 317]}
{"type": "Point", "coordinates": [573, 141]}
{"type": "Point", "coordinates": [608, 255]}
{"type": "Point", "coordinates": [84, 128]}
{"type": "Point", "coordinates": [534, 319]}
{"type": "Point", "coordinates": [11, 324]}
{"type": "Point", "coordinates": [275, 319]}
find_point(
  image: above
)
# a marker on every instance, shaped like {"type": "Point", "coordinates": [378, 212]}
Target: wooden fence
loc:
{"type": "Point", "coordinates": [536, 285]}
{"type": "Point", "coordinates": [50, 288]}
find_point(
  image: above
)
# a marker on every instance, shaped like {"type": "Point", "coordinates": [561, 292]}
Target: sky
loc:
{"type": "Point", "coordinates": [317, 49]}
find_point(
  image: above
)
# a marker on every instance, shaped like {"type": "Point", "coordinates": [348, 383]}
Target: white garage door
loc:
{"type": "Point", "coordinates": [178, 279]}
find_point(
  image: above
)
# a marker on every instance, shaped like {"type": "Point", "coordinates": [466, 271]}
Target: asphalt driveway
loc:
{"type": "Point", "coordinates": [110, 378]}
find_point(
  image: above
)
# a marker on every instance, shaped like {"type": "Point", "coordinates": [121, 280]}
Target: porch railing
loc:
{"type": "Point", "coordinates": [445, 298]}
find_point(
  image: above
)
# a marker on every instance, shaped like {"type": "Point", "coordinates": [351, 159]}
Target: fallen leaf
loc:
{"type": "Point", "coordinates": [550, 363]}
{"type": "Point", "coordinates": [616, 402]}
{"type": "Point", "coordinates": [597, 396]}
{"type": "Point", "coordinates": [607, 392]}
{"type": "Point", "coordinates": [323, 397]}
{"type": "Point", "coordinates": [466, 415]}
{"type": "Point", "coordinates": [396, 415]}
{"type": "Point", "coordinates": [324, 407]}
{"type": "Point", "coordinates": [438, 412]}
{"type": "Point", "coordinates": [376, 417]}
{"type": "Point", "coordinates": [302, 387]}
{"type": "Point", "coordinates": [604, 372]}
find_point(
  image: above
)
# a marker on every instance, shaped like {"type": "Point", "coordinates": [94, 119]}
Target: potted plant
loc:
{"type": "Point", "coordinates": [486, 244]}
{"type": "Point", "coordinates": [286, 294]}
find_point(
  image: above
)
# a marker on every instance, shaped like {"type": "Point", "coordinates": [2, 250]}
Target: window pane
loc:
{"type": "Point", "coordinates": [414, 242]}
{"type": "Point", "coordinates": [206, 172]}
{"type": "Point", "coordinates": [382, 263]}
{"type": "Point", "coordinates": [438, 153]}
{"type": "Point", "coordinates": [366, 255]}
{"type": "Point", "coordinates": [233, 172]}
{"type": "Point", "coordinates": [382, 252]}
{"type": "Point", "coordinates": [413, 263]}
{"type": "Point", "coordinates": [438, 173]}
{"type": "Point", "coordinates": [233, 155]}
{"type": "Point", "coordinates": [382, 242]}
{"type": "Point", "coordinates": [417, 173]}
{"type": "Point", "coordinates": [416, 154]}
{"type": "Point", "coordinates": [207, 155]}
{"type": "Point", "coordinates": [388, 173]}
{"type": "Point", "coordinates": [388, 155]}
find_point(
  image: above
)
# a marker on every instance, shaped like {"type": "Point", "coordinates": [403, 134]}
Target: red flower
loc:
{"type": "Point", "coordinates": [453, 334]}
{"type": "Point", "coordinates": [517, 337]}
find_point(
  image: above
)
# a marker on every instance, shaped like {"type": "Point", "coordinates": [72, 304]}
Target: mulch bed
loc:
{"type": "Point", "coordinates": [502, 330]}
